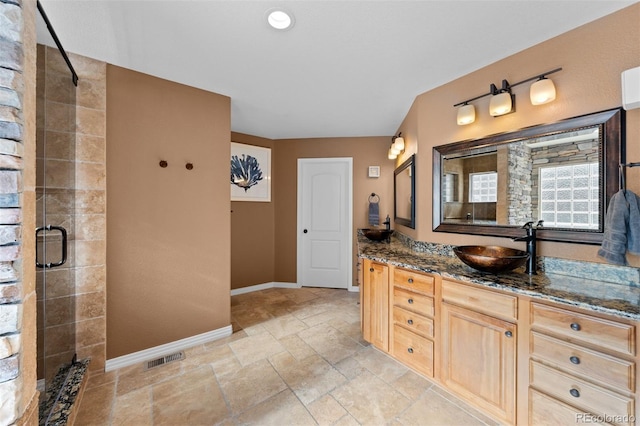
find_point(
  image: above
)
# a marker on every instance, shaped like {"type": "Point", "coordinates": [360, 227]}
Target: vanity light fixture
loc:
{"type": "Point", "coordinates": [398, 142]}
{"type": "Point", "coordinates": [397, 146]}
{"type": "Point", "coordinates": [503, 100]}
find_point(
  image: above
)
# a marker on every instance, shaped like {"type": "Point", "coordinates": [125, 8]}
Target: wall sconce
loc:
{"type": "Point", "coordinates": [503, 100]}
{"type": "Point", "coordinates": [631, 88]}
{"type": "Point", "coordinates": [397, 146]}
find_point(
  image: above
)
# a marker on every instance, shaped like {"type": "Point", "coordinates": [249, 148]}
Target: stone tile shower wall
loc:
{"type": "Point", "coordinates": [70, 187]}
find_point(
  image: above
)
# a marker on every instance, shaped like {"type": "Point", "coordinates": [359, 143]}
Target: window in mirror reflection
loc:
{"type": "Point", "coordinates": [483, 187]}
{"type": "Point", "coordinates": [569, 196]}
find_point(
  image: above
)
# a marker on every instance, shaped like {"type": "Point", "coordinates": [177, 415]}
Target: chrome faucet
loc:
{"type": "Point", "coordinates": [530, 238]}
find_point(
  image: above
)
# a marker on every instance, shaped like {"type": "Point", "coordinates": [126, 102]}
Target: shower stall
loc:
{"type": "Point", "coordinates": [55, 209]}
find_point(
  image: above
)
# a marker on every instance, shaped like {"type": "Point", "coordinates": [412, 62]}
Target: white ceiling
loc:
{"type": "Point", "coordinates": [347, 68]}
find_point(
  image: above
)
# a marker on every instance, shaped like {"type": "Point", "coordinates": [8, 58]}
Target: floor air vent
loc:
{"type": "Point", "coordinates": [164, 360]}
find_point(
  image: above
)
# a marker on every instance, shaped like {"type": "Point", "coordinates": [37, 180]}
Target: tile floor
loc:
{"type": "Point", "coordinates": [296, 357]}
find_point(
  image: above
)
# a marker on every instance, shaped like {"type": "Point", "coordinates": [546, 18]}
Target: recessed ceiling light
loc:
{"type": "Point", "coordinates": [280, 19]}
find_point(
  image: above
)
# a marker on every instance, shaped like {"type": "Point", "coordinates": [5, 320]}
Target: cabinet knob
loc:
{"type": "Point", "coordinates": [574, 360]}
{"type": "Point", "coordinates": [410, 301]}
{"type": "Point", "coordinates": [410, 280]}
{"type": "Point", "coordinates": [410, 350]}
{"type": "Point", "coordinates": [508, 333]}
{"type": "Point", "coordinates": [371, 269]}
{"type": "Point", "coordinates": [575, 393]}
{"type": "Point", "coordinates": [575, 326]}
{"type": "Point", "coordinates": [410, 322]}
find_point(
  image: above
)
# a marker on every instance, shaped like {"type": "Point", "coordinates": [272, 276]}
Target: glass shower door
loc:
{"type": "Point", "coordinates": [55, 218]}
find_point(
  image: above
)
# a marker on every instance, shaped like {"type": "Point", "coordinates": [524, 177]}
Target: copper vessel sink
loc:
{"type": "Point", "coordinates": [377, 234]}
{"type": "Point", "coordinates": [492, 259]}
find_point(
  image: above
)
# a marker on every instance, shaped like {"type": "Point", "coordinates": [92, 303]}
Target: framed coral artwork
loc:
{"type": "Point", "coordinates": [250, 173]}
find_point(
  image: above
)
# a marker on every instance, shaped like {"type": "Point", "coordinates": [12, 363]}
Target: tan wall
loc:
{"type": "Point", "coordinates": [592, 58]}
{"type": "Point", "coordinates": [366, 151]}
{"type": "Point", "coordinates": [252, 231]}
{"type": "Point", "coordinates": [168, 257]}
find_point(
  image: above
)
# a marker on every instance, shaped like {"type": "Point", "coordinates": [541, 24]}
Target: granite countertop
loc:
{"type": "Point", "coordinates": [614, 298]}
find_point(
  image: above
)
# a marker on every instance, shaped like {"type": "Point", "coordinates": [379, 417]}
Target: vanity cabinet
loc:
{"type": "Point", "coordinates": [582, 363]}
{"type": "Point", "coordinates": [413, 313]}
{"type": "Point", "coordinates": [518, 358]}
{"type": "Point", "coordinates": [375, 304]}
{"type": "Point", "coordinates": [479, 347]}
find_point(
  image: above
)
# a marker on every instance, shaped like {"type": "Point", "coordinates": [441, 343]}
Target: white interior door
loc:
{"type": "Point", "coordinates": [325, 187]}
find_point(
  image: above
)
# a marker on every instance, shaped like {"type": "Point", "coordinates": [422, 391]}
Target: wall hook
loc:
{"type": "Point", "coordinates": [189, 166]}
{"type": "Point", "coordinates": [163, 164]}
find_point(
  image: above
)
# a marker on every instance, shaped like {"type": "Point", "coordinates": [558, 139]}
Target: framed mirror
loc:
{"type": "Point", "coordinates": [563, 173]}
{"type": "Point", "coordinates": [404, 189]}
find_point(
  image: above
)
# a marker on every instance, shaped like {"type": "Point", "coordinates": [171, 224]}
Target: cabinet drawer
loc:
{"type": "Point", "coordinates": [415, 351]}
{"type": "Point", "coordinates": [489, 302]}
{"type": "Point", "coordinates": [413, 280]}
{"type": "Point", "coordinates": [585, 328]}
{"type": "Point", "coordinates": [579, 393]}
{"type": "Point", "coordinates": [544, 410]}
{"type": "Point", "coordinates": [412, 321]}
{"type": "Point", "coordinates": [415, 302]}
{"type": "Point", "coordinates": [594, 365]}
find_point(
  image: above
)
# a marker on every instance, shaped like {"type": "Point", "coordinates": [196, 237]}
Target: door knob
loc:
{"type": "Point", "coordinates": [305, 231]}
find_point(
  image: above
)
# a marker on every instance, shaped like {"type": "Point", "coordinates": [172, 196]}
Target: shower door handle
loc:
{"type": "Point", "coordinates": [64, 246]}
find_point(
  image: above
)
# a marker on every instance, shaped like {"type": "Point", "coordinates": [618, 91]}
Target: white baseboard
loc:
{"type": "Point", "coordinates": [258, 287]}
{"type": "Point", "coordinates": [167, 348]}
{"type": "Point", "coordinates": [264, 286]}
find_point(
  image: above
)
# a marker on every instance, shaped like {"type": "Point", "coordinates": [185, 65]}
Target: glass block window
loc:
{"type": "Point", "coordinates": [483, 187]}
{"type": "Point", "coordinates": [569, 196]}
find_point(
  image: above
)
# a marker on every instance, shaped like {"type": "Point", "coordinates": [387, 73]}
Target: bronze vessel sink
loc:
{"type": "Point", "coordinates": [377, 234]}
{"type": "Point", "coordinates": [492, 259]}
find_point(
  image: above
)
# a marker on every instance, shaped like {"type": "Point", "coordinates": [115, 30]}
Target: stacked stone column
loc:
{"type": "Point", "coordinates": [18, 397]}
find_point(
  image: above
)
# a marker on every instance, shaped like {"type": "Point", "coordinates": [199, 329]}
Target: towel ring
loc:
{"type": "Point", "coordinates": [373, 197]}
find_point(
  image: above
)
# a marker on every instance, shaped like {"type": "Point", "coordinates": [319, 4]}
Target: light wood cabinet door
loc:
{"type": "Point", "coordinates": [479, 360]}
{"type": "Point", "coordinates": [375, 304]}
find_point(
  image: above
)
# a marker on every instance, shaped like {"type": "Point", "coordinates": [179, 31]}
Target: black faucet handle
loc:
{"type": "Point", "coordinates": [539, 224]}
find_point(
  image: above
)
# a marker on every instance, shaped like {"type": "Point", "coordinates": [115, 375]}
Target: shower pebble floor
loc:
{"type": "Point", "coordinates": [296, 357]}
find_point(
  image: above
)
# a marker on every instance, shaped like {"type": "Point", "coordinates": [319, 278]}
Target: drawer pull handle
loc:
{"type": "Point", "coordinates": [575, 326]}
{"type": "Point", "coordinates": [410, 280]}
{"type": "Point", "coordinates": [410, 322]}
{"type": "Point", "coordinates": [575, 393]}
{"type": "Point", "coordinates": [410, 301]}
{"type": "Point", "coordinates": [371, 269]}
{"type": "Point", "coordinates": [508, 333]}
{"type": "Point", "coordinates": [574, 360]}
{"type": "Point", "coordinates": [410, 350]}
